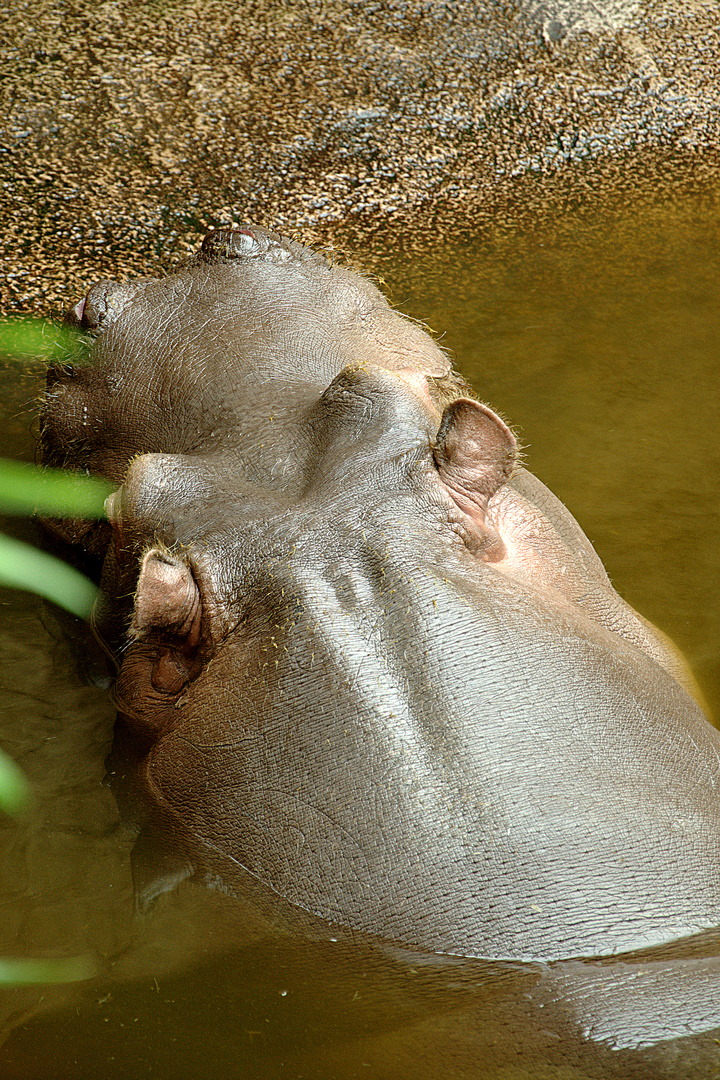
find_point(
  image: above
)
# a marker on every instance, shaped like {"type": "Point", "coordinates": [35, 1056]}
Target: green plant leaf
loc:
{"type": "Point", "coordinates": [14, 791]}
{"type": "Point", "coordinates": [35, 337]}
{"type": "Point", "coordinates": [26, 567]}
{"type": "Point", "coordinates": [24, 336]}
{"type": "Point", "coordinates": [30, 489]}
{"type": "Point", "coordinates": [65, 969]}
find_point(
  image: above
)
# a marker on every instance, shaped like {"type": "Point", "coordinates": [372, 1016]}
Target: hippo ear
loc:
{"type": "Point", "coordinates": [167, 599]}
{"type": "Point", "coordinates": [168, 609]}
{"type": "Point", "coordinates": [475, 454]}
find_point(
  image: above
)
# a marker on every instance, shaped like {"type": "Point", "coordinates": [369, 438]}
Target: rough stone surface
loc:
{"type": "Point", "coordinates": [128, 127]}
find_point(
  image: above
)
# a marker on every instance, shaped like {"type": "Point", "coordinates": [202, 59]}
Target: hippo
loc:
{"type": "Point", "coordinates": [365, 664]}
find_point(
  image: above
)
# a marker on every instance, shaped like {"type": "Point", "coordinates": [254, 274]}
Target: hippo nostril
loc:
{"type": "Point", "coordinates": [96, 308]}
{"type": "Point", "coordinates": [233, 243]}
{"type": "Point", "coordinates": [103, 303]}
{"type": "Point", "coordinates": [74, 317]}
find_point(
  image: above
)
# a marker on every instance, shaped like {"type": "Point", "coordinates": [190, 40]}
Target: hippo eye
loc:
{"type": "Point", "coordinates": [235, 243]}
{"type": "Point", "coordinates": [253, 242]}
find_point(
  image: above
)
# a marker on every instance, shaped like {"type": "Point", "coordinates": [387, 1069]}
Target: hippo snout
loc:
{"type": "Point", "coordinates": [102, 305]}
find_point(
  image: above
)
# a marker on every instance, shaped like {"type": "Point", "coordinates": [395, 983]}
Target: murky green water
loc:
{"type": "Point", "coordinates": [600, 344]}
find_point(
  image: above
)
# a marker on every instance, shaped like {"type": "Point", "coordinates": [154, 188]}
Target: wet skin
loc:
{"type": "Point", "coordinates": [365, 662]}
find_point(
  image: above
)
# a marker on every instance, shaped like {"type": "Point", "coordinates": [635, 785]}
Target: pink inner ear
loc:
{"type": "Point", "coordinates": [167, 599]}
{"type": "Point", "coordinates": [475, 454]}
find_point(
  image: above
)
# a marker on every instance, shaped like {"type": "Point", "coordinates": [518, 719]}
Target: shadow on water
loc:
{"type": "Point", "coordinates": [599, 343]}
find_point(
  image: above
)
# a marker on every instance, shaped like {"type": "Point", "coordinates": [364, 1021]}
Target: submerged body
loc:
{"type": "Point", "coordinates": [365, 661]}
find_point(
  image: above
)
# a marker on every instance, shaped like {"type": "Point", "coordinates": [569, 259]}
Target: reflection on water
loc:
{"type": "Point", "coordinates": [599, 344]}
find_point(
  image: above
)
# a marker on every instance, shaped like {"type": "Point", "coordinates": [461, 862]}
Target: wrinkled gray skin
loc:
{"type": "Point", "coordinates": [366, 662]}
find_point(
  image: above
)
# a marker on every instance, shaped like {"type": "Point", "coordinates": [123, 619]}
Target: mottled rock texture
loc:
{"type": "Point", "coordinates": [128, 127]}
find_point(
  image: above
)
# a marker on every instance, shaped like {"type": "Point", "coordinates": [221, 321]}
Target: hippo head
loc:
{"type": "Point", "coordinates": [192, 362]}
{"type": "Point", "coordinates": [353, 638]}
